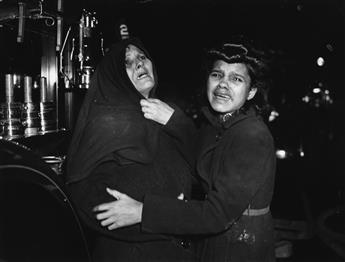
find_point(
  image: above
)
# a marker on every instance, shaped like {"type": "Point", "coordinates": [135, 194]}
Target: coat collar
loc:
{"type": "Point", "coordinates": [226, 122]}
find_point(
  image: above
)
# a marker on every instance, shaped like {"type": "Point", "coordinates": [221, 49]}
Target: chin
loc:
{"type": "Point", "coordinates": [220, 108]}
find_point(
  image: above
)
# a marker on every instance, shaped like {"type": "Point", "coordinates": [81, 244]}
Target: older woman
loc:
{"type": "Point", "coordinates": [114, 145]}
{"type": "Point", "coordinates": [235, 161]}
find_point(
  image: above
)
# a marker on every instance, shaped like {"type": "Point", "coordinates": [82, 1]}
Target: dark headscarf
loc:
{"type": "Point", "coordinates": [110, 124]}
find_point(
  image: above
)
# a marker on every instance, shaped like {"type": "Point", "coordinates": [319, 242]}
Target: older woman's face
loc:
{"type": "Point", "coordinates": [228, 86]}
{"type": "Point", "coordinates": [139, 70]}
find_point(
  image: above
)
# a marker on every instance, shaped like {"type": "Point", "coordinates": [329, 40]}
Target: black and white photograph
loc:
{"type": "Point", "coordinates": [172, 130]}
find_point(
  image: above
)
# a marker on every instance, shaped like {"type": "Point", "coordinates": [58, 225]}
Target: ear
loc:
{"type": "Point", "coordinates": [251, 93]}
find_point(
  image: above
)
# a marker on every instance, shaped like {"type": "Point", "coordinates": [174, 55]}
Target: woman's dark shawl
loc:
{"type": "Point", "coordinates": [110, 123]}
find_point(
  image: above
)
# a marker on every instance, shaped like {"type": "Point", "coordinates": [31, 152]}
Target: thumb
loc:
{"type": "Point", "coordinates": [116, 194]}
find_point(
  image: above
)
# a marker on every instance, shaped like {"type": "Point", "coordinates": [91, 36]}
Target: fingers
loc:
{"type": "Point", "coordinates": [113, 226]}
{"type": "Point", "coordinates": [108, 221]}
{"type": "Point", "coordinates": [107, 206]}
{"type": "Point", "coordinates": [116, 194]}
{"type": "Point", "coordinates": [102, 207]}
{"type": "Point", "coordinates": [103, 215]}
{"type": "Point", "coordinates": [116, 224]}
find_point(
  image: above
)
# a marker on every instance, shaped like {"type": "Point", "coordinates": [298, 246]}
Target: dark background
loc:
{"type": "Point", "coordinates": [293, 32]}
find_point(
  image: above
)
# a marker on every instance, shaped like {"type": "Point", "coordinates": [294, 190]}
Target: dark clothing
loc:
{"type": "Point", "coordinates": [114, 146]}
{"type": "Point", "coordinates": [236, 163]}
{"type": "Point", "coordinates": [110, 119]}
{"type": "Point", "coordinates": [111, 250]}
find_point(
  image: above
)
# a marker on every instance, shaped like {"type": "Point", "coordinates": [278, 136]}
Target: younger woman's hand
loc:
{"type": "Point", "coordinates": [125, 211]}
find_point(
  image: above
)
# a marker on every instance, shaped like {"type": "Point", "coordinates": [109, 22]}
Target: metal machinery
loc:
{"type": "Point", "coordinates": [36, 116]}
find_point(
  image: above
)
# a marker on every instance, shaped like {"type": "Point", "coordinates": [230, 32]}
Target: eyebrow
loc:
{"type": "Point", "coordinates": [237, 74]}
{"type": "Point", "coordinates": [232, 72]}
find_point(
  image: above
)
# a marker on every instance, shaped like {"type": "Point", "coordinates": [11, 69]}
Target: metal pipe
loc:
{"type": "Point", "coordinates": [9, 88]}
{"type": "Point", "coordinates": [43, 85]}
{"type": "Point", "coordinates": [59, 25]}
{"type": "Point", "coordinates": [27, 89]}
{"type": "Point", "coordinates": [21, 22]}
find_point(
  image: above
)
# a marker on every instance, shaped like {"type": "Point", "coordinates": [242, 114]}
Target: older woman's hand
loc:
{"type": "Point", "coordinates": [156, 110]}
{"type": "Point", "coordinates": [125, 211]}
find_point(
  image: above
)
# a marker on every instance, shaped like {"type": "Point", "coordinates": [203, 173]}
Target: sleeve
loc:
{"type": "Point", "coordinates": [183, 130]}
{"type": "Point", "coordinates": [241, 175]}
{"type": "Point", "coordinates": [90, 192]}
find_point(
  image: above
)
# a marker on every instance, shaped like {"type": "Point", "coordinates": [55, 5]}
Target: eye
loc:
{"type": "Point", "coordinates": [237, 79]}
{"type": "Point", "coordinates": [142, 57]}
{"type": "Point", "coordinates": [215, 74]}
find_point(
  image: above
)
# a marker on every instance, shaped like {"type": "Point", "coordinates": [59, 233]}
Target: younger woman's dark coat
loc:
{"type": "Point", "coordinates": [236, 163]}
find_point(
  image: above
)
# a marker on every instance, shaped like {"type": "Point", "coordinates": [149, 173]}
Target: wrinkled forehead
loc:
{"type": "Point", "coordinates": [132, 50]}
{"type": "Point", "coordinates": [231, 67]}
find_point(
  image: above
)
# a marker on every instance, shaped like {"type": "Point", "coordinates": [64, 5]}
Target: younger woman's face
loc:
{"type": "Point", "coordinates": [228, 86]}
{"type": "Point", "coordinates": [139, 70]}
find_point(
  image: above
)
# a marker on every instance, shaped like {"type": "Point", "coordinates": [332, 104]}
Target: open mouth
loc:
{"type": "Point", "coordinates": [223, 96]}
{"type": "Point", "coordinates": [142, 75]}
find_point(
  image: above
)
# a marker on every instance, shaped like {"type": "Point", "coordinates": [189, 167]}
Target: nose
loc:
{"type": "Point", "coordinates": [139, 64]}
{"type": "Point", "coordinates": [223, 83]}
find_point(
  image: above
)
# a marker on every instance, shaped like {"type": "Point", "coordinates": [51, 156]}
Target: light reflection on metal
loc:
{"type": "Point", "coordinates": [35, 13]}
{"type": "Point", "coordinates": [86, 55]}
{"type": "Point", "coordinates": [30, 111]}
{"type": "Point", "coordinates": [10, 112]}
{"type": "Point", "coordinates": [21, 22]}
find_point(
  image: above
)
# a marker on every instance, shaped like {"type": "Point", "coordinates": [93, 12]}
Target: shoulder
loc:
{"type": "Point", "coordinates": [253, 128]}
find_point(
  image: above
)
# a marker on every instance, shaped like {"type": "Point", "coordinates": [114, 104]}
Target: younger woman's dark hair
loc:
{"type": "Point", "coordinates": [258, 69]}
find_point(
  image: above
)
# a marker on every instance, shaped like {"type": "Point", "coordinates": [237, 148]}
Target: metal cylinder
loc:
{"type": "Point", "coordinates": [9, 88]}
{"type": "Point", "coordinates": [43, 85]}
{"type": "Point", "coordinates": [30, 119]}
{"type": "Point", "coordinates": [27, 89]}
{"type": "Point", "coordinates": [11, 122]}
{"type": "Point", "coordinates": [21, 22]}
{"type": "Point", "coordinates": [48, 117]}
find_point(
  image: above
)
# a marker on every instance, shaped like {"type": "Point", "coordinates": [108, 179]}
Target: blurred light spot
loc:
{"type": "Point", "coordinates": [320, 61]}
{"type": "Point", "coordinates": [306, 99]}
{"type": "Point", "coordinates": [316, 90]}
{"type": "Point", "coordinates": [281, 154]}
{"type": "Point", "coordinates": [329, 47]}
{"type": "Point", "coordinates": [301, 151]}
{"type": "Point", "coordinates": [273, 115]}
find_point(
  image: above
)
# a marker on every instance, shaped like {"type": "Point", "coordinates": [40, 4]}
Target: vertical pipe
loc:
{"type": "Point", "coordinates": [43, 85]}
{"type": "Point", "coordinates": [21, 22]}
{"type": "Point", "coordinates": [59, 25]}
{"type": "Point", "coordinates": [9, 88]}
{"type": "Point", "coordinates": [59, 32]}
{"type": "Point", "coordinates": [27, 89]}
